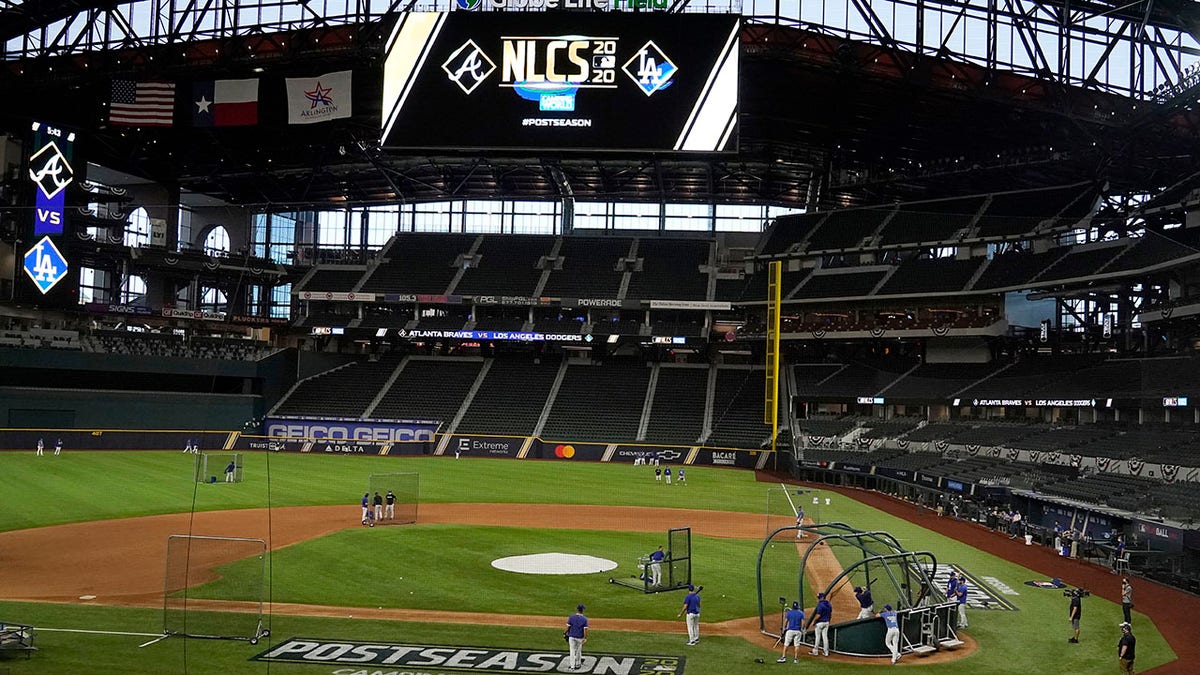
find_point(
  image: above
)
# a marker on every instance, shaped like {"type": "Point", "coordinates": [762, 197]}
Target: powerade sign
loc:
{"type": "Point", "coordinates": [366, 431]}
{"type": "Point", "coordinates": [358, 658]}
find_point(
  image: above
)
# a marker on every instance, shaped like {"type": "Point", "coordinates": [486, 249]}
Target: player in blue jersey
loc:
{"type": "Point", "coordinates": [691, 606]}
{"type": "Point", "coordinates": [822, 615]}
{"type": "Point", "coordinates": [229, 471]}
{"type": "Point", "coordinates": [656, 560]}
{"type": "Point", "coordinates": [793, 631]}
{"type": "Point", "coordinates": [952, 585]}
{"type": "Point", "coordinates": [667, 473]}
{"type": "Point", "coordinates": [892, 638]}
{"type": "Point", "coordinates": [366, 506]}
{"type": "Point", "coordinates": [577, 628]}
{"type": "Point", "coordinates": [866, 604]}
{"type": "Point", "coordinates": [960, 594]}
{"type": "Point", "coordinates": [58, 448]}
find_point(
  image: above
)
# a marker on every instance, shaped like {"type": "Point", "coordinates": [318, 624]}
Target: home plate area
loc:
{"type": "Point", "coordinates": [554, 563]}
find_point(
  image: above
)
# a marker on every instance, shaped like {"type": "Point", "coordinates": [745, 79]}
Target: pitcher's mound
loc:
{"type": "Point", "coordinates": [554, 563]}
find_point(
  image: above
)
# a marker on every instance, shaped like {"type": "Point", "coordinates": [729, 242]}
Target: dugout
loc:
{"type": "Point", "coordinates": [834, 558]}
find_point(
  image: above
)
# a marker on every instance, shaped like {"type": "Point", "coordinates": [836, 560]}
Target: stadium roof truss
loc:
{"type": "Point", "coordinates": [1140, 48]}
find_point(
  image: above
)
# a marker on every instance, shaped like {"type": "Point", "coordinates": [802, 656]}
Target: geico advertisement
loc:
{"type": "Point", "coordinates": [350, 431]}
{"type": "Point", "coordinates": [585, 81]}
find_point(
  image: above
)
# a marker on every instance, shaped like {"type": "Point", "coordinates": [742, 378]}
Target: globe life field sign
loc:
{"type": "Point", "coordinates": [612, 81]}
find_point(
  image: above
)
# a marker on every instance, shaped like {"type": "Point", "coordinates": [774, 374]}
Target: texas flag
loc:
{"type": "Point", "coordinates": [225, 103]}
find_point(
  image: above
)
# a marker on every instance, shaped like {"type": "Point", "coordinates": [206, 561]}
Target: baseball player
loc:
{"type": "Point", "coordinates": [58, 447]}
{"type": "Point", "coordinates": [667, 473]}
{"type": "Point", "coordinates": [378, 506]}
{"type": "Point", "coordinates": [656, 559]}
{"type": "Point", "coordinates": [799, 522]}
{"type": "Point", "coordinates": [691, 605]}
{"type": "Point", "coordinates": [892, 639]}
{"type": "Point", "coordinates": [366, 506]}
{"type": "Point", "coordinates": [41, 448]}
{"type": "Point", "coordinates": [960, 594]}
{"type": "Point", "coordinates": [228, 470]}
{"type": "Point", "coordinates": [658, 474]}
{"type": "Point", "coordinates": [389, 511]}
{"type": "Point", "coordinates": [822, 615]}
{"type": "Point", "coordinates": [188, 446]}
{"type": "Point", "coordinates": [952, 585]}
{"type": "Point", "coordinates": [792, 623]}
{"type": "Point", "coordinates": [680, 477]}
{"type": "Point", "coordinates": [866, 605]}
{"type": "Point", "coordinates": [577, 628]}
{"type": "Point", "coordinates": [369, 521]}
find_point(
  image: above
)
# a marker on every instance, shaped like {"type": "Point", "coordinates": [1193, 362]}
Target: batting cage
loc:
{"type": "Point", "coordinates": [835, 559]}
{"type": "Point", "coordinates": [405, 494]}
{"type": "Point", "coordinates": [209, 467]}
{"type": "Point", "coordinates": [672, 573]}
{"type": "Point", "coordinates": [219, 568]}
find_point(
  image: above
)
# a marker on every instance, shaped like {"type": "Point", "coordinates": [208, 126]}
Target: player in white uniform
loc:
{"type": "Point", "coordinates": [41, 448]}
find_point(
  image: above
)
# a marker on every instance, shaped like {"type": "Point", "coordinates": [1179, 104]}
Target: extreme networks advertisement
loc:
{"type": "Point", "coordinates": [584, 81]}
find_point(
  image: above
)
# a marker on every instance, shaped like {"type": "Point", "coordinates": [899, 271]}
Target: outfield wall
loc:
{"type": "Point", "coordinates": [510, 447]}
{"type": "Point", "coordinates": [87, 409]}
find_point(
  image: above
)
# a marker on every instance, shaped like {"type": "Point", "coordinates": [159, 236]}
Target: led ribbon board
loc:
{"type": "Point", "coordinates": [612, 81]}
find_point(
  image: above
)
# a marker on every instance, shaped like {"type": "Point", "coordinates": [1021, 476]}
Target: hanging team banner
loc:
{"type": "Point", "coordinates": [51, 172]}
{"type": "Point", "coordinates": [319, 99]}
{"type": "Point", "coordinates": [604, 81]}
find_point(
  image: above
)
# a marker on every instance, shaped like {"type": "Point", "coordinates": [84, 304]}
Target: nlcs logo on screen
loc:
{"type": "Point", "coordinates": [468, 66]}
{"type": "Point", "coordinates": [45, 265]}
{"type": "Point", "coordinates": [650, 69]}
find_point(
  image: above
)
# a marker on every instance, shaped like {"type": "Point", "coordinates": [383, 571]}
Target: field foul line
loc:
{"type": "Point", "coordinates": [99, 632]}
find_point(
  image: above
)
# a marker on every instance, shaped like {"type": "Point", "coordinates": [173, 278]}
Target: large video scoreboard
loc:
{"type": "Point", "coordinates": [611, 81]}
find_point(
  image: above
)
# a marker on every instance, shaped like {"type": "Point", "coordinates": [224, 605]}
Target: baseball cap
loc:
{"type": "Point", "coordinates": [858, 589]}
{"type": "Point", "coordinates": [887, 608]}
{"type": "Point", "coordinates": [1125, 624]}
{"type": "Point", "coordinates": [581, 608]}
{"type": "Point", "coordinates": [796, 605]}
{"type": "Point", "coordinates": [820, 595]}
{"type": "Point", "coordinates": [691, 587]}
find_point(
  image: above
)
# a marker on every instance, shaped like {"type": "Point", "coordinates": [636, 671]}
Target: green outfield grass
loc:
{"type": "Point", "coordinates": [88, 486]}
{"type": "Point", "coordinates": [82, 485]}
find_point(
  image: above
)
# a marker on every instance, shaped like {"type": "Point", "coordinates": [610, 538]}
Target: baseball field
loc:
{"type": "Point", "coordinates": [83, 540]}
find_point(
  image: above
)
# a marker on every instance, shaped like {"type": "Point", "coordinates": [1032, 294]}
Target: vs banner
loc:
{"type": "Point", "coordinates": [611, 81]}
{"type": "Point", "coordinates": [51, 171]}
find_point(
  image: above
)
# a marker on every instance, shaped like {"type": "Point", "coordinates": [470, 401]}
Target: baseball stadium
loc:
{"type": "Point", "coordinates": [615, 337]}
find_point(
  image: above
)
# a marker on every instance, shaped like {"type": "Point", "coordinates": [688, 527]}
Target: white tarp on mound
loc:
{"type": "Point", "coordinates": [554, 563]}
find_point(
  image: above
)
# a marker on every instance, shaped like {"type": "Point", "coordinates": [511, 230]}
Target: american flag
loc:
{"type": "Point", "coordinates": [142, 104]}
